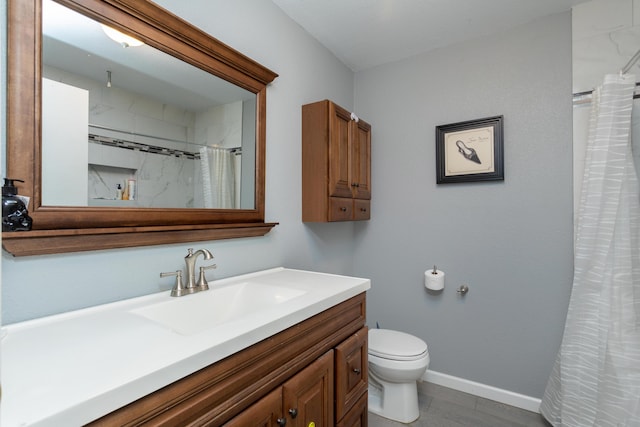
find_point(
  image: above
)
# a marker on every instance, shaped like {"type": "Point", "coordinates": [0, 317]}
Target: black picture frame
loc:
{"type": "Point", "coordinates": [470, 151]}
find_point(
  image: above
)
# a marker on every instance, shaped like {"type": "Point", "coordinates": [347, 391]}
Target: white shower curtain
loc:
{"type": "Point", "coordinates": [596, 377]}
{"type": "Point", "coordinates": [218, 177]}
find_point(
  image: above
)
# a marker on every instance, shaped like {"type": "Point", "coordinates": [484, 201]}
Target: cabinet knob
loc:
{"type": "Point", "coordinates": [355, 184]}
{"type": "Point", "coordinates": [343, 209]}
{"type": "Point", "coordinates": [281, 422]}
{"type": "Point", "coordinates": [363, 209]}
{"type": "Point", "coordinates": [293, 412]}
{"type": "Point", "coordinates": [356, 371]}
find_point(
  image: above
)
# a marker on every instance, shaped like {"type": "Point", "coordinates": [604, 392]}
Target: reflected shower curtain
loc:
{"type": "Point", "coordinates": [218, 177]}
{"type": "Point", "coordinates": [596, 377]}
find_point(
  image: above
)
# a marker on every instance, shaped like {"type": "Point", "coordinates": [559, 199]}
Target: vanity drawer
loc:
{"type": "Point", "coordinates": [361, 209]}
{"type": "Point", "coordinates": [351, 372]}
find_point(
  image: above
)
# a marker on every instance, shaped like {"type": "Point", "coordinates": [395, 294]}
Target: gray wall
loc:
{"type": "Point", "coordinates": [42, 285]}
{"type": "Point", "coordinates": [510, 241]}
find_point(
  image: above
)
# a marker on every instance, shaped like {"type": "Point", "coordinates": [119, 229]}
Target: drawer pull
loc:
{"type": "Point", "coordinates": [356, 371]}
{"type": "Point", "coordinates": [343, 209]}
{"type": "Point", "coordinates": [363, 209]}
{"type": "Point", "coordinates": [293, 412]}
{"type": "Point", "coordinates": [281, 422]}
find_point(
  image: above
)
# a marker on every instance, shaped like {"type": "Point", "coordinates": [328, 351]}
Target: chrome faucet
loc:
{"type": "Point", "coordinates": [191, 287]}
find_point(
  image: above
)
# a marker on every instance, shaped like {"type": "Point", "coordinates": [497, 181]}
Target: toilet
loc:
{"type": "Point", "coordinates": [396, 361]}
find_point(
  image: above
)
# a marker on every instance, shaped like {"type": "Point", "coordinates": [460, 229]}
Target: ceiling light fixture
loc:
{"type": "Point", "coordinates": [108, 78]}
{"type": "Point", "coordinates": [120, 38]}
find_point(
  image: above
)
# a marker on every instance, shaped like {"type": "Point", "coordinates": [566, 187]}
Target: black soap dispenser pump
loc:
{"type": "Point", "coordinates": [15, 216]}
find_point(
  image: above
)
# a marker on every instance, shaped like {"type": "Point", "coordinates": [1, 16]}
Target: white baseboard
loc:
{"type": "Point", "coordinates": [482, 390]}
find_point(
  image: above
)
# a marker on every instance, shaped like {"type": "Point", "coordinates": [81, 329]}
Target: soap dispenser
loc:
{"type": "Point", "coordinates": [15, 216]}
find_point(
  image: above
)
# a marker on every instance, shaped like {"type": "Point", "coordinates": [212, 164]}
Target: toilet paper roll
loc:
{"type": "Point", "coordinates": [434, 281]}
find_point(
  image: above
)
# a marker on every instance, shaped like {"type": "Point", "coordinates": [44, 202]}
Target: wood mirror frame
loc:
{"type": "Point", "coordinates": [58, 229]}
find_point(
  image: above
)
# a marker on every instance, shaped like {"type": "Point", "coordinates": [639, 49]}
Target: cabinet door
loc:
{"type": "Point", "coordinates": [267, 412]}
{"type": "Point", "coordinates": [308, 396]}
{"type": "Point", "coordinates": [352, 373]}
{"type": "Point", "coordinates": [339, 155]}
{"type": "Point", "coordinates": [361, 160]}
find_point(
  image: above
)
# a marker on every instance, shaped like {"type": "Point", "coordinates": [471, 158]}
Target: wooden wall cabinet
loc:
{"type": "Point", "coordinates": [336, 164]}
{"type": "Point", "coordinates": [315, 371]}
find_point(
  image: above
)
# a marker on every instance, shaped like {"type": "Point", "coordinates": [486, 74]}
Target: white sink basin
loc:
{"type": "Point", "coordinates": [195, 313]}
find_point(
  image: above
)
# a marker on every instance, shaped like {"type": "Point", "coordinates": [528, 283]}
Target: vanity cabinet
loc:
{"type": "Point", "coordinates": [317, 368]}
{"type": "Point", "coordinates": [336, 164]}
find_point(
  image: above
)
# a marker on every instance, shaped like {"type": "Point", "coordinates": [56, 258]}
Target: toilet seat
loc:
{"type": "Point", "coordinates": [395, 345]}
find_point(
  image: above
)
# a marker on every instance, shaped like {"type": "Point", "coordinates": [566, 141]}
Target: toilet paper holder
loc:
{"type": "Point", "coordinates": [434, 279]}
{"type": "Point", "coordinates": [463, 289]}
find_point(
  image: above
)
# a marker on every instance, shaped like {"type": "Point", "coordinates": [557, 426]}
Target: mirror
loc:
{"type": "Point", "coordinates": [182, 137]}
{"type": "Point", "coordinates": [61, 225]}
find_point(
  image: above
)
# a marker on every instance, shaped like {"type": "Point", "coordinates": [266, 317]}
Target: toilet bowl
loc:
{"type": "Point", "coordinates": [396, 361]}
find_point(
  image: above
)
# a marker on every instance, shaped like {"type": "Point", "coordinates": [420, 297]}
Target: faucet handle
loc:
{"type": "Point", "coordinates": [203, 285]}
{"type": "Point", "coordinates": [178, 289]}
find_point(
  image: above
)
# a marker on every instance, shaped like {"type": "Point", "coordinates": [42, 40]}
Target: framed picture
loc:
{"type": "Point", "coordinates": [470, 151]}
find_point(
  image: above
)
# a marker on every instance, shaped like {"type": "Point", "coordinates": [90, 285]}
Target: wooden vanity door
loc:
{"type": "Point", "coordinates": [308, 396]}
{"type": "Point", "coordinates": [352, 372]}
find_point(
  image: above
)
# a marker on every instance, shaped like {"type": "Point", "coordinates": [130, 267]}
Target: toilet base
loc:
{"type": "Point", "coordinates": [395, 401]}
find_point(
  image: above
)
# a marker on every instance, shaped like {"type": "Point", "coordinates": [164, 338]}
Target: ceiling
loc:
{"type": "Point", "coordinates": [367, 33]}
{"type": "Point", "coordinates": [78, 45]}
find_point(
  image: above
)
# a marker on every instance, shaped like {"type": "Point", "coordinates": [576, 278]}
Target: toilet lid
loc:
{"type": "Point", "coordinates": [395, 345]}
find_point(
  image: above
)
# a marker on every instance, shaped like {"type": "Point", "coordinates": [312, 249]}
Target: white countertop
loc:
{"type": "Point", "coordinates": [69, 369]}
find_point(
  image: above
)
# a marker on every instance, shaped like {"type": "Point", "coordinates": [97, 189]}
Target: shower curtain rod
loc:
{"type": "Point", "coordinates": [585, 97]}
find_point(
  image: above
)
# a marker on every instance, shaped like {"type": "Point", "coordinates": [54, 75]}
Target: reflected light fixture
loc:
{"type": "Point", "coordinates": [120, 38]}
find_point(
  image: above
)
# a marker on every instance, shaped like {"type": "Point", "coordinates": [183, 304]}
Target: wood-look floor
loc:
{"type": "Point", "coordinates": [444, 407]}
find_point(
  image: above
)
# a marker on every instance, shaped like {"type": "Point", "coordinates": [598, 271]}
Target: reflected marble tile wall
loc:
{"type": "Point", "coordinates": [161, 180]}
